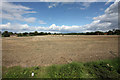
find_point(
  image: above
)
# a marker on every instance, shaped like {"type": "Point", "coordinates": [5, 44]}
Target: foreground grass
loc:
{"type": "Point", "coordinates": [98, 69]}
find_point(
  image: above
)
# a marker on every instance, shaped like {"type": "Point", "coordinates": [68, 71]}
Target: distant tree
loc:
{"type": "Point", "coordinates": [45, 33]}
{"type": "Point", "coordinates": [41, 33]}
{"type": "Point", "coordinates": [117, 32]}
{"type": "Point", "coordinates": [35, 33]}
{"type": "Point", "coordinates": [19, 34]}
{"type": "Point", "coordinates": [49, 33]}
{"type": "Point", "coordinates": [25, 34]}
{"type": "Point", "coordinates": [31, 34]}
{"type": "Point", "coordinates": [114, 30]}
{"type": "Point", "coordinates": [11, 33]}
{"type": "Point", "coordinates": [55, 33]}
{"type": "Point", "coordinates": [87, 33]}
{"type": "Point", "coordinates": [99, 33]}
{"type": "Point", "coordinates": [5, 34]}
{"type": "Point", "coordinates": [0, 34]}
{"type": "Point", "coordinates": [110, 32]}
{"type": "Point", "coordinates": [15, 33]}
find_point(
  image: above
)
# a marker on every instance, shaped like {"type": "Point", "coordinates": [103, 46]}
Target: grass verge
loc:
{"type": "Point", "coordinates": [96, 69]}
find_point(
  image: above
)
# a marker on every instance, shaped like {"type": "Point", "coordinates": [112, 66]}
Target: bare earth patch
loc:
{"type": "Point", "coordinates": [48, 50]}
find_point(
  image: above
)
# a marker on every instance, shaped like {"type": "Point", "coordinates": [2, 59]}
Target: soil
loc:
{"type": "Point", "coordinates": [51, 49]}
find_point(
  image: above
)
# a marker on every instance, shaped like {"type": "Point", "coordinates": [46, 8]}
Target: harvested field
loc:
{"type": "Point", "coordinates": [48, 50]}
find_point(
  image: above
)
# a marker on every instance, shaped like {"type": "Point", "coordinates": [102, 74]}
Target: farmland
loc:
{"type": "Point", "coordinates": [51, 49]}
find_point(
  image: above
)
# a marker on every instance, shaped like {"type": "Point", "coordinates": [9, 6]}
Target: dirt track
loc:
{"type": "Point", "coordinates": [47, 50]}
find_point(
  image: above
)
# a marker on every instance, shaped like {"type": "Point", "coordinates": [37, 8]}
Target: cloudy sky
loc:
{"type": "Point", "coordinates": [62, 17]}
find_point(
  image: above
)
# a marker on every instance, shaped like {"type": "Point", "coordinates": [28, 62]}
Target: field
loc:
{"type": "Point", "coordinates": [49, 50]}
{"type": "Point", "coordinates": [56, 56]}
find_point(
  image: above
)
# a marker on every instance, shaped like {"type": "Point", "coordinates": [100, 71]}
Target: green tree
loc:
{"type": "Point", "coordinates": [117, 32]}
{"type": "Point", "coordinates": [110, 32]}
{"type": "Point", "coordinates": [5, 34]}
{"type": "Point", "coordinates": [99, 33]}
{"type": "Point", "coordinates": [11, 33]}
{"type": "Point", "coordinates": [25, 34]}
{"type": "Point", "coordinates": [19, 34]}
{"type": "Point", "coordinates": [35, 33]}
{"type": "Point", "coordinates": [41, 33]}
{"type": "Point", "coordinates": [49, 33]}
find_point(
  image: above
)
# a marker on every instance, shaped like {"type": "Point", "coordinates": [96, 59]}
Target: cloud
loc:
{"type": "Point", "coordinates": [109, 2]}
{"type": "Point", "coordinates": [83, 4]}
{"type": "Point", "coordinates": [105, 22]}
{"type": "Point", "coordinates": [11, 11]}
{"type": "Point", "coordinates": [86, 4]}
{"type": "Point", "coordinates": [30, 19]}
{"type": "Point", "coordinates": [42, 22]}
{"type": "Point", "coordinates": [51, 5]}
{"type": "Point", "coordinates": [52, 28]}
{"type": "Point", "coordinates": [14, 27]}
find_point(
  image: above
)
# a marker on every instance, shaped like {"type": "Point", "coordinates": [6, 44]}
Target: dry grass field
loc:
{"type": "Point", "coordinates": [48, 50]}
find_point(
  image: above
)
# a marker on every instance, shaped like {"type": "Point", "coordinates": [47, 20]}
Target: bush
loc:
{"type": "Point", "coordinates": [5, 34]}
{"type": "Point", "coordinates": [19, 35]}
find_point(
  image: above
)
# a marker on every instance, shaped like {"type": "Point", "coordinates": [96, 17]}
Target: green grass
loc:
{"type": "Point", "coordinates": [97, 69]}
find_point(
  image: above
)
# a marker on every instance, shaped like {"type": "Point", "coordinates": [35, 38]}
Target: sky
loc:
{"type": "Point", "coordinates": [61, 17]}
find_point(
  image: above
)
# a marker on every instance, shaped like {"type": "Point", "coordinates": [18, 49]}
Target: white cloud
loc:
{"type": "Point", "coordinates": [51, 5]}
{"type": "Point", "coordinates": [84, 5]}
{"type": "Point", "coordinates": [42, 22]}
{"type": "Point", "coordinates": [11, 11]}
{"type": "Point", "coordinates": [52, 28]}
{"type": "Point", "coordinates": [107, 21]}
{"type": "Point", "coordinates": [30, 19]}
{"type": "Point", "coordinates": [14, 27]}
{"type": "Point", "coordinates": [109, 2]}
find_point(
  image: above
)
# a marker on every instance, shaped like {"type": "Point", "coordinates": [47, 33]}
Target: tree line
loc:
{"type": "Point", "coordinates": [8, 34]}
